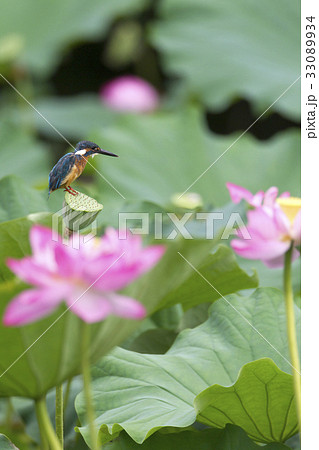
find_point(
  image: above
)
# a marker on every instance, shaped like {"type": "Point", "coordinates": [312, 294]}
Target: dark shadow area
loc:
{"type": "Point", "coordinates": [239, 116]}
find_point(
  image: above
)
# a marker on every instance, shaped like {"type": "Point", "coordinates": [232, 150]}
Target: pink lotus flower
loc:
{"type": "Point", "coordinates": [268, 198]}
{"type": "Point", "coordinates": [131, 94]}
{"type": "Point", "coordinates": [86, 279]}
{"type": "Point", "coordinates": [273, 225]}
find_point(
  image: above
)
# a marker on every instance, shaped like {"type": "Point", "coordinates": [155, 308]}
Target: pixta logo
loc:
{"type": "Point", "coordinates": [171, 225]}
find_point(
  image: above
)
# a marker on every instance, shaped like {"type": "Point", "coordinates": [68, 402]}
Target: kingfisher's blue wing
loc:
{"type": "Point", "coordinates": [60, 171]}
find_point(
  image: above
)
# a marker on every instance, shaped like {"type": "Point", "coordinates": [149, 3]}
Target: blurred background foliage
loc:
{"type": "Point", "coordinates": [217, 66]}
{"type": "Point", "coordinates": [215, 72]}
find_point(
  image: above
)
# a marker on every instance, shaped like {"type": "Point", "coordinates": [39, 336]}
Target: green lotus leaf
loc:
{"type": "Point", "coordinates": [22, 155]}
{"type": "Point", "coordinates": [142, 393]}
{"type": "Point", "coordinates": [17, 199]}
{"type": "Point", "coordinates": [45, 30]}
{"type": "Point", "coordinates": [227, 49]}
{"type": "Point", "coordinates": [5, 444]}
{"type": "Point", "coordinates": [230, 438]}
{"type": "Point", "coordinates": [220, 270]}
{"type": "Point", "coordinates": [167, 153]}
{"type": "Point", "coordinates": [261, 402]}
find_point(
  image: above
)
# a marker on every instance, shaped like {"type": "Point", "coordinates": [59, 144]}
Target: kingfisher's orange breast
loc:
{"type": "Point", "coordinates": [74, 173]}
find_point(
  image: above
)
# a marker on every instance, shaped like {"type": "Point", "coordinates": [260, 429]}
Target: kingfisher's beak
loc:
{"type": "Point", "coordinates": [103, 152]}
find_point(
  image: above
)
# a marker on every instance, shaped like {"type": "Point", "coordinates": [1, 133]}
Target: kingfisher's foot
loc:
{"type": "Point", "coordinates": [73, 190]}
{"type": "Point", "coordinates": [70, 190]}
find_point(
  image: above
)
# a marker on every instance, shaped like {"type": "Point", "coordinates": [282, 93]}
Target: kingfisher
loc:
{"type": "Point", "coordinates": [71, 165]}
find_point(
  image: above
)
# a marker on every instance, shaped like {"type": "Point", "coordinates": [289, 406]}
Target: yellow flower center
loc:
{"type": "Point", "coordinates": [97, 241]}
{"type": "Point", "coordinates": [290, 206]}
